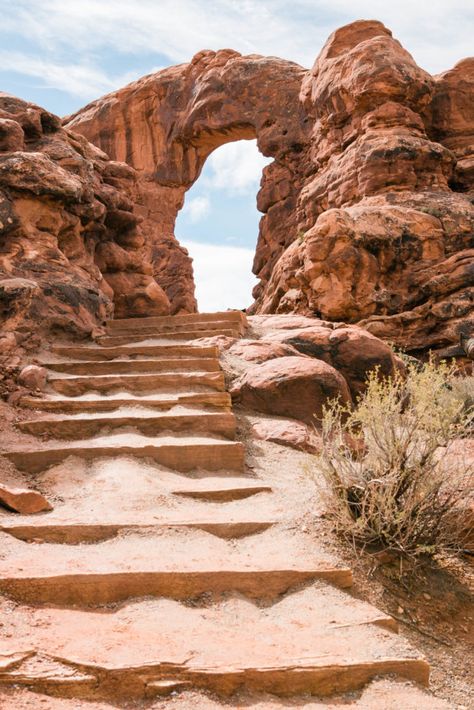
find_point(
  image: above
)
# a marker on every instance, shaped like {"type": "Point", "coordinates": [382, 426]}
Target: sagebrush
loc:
{"type": "Point", "coordinates": [394, 466]}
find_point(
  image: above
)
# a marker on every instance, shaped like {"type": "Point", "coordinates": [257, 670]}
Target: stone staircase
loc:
{"type": "Point", "coordinates": [165, 565]}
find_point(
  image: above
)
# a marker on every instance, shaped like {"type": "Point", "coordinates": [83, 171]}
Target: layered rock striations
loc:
{"type": "Point", "coordinates": [71, 244]}
{"type": "Point", "coordinates": [367, 206]}
{"type": "Point", "coordinates": [166, 125]}
{"type": "Point", "coordinates": [387, 216]}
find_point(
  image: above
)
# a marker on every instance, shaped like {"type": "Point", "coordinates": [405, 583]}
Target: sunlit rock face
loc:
{"type": "Point", "coordinates": [72, 249]}
{"type": "Point", "coordinates": [368, 203]}
{"type": "Point", "coordinates": [368, 214]}
{"type": "Point", "coordinates": [166, 125]}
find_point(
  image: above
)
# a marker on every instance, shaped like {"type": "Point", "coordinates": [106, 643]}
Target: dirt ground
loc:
{"type": "Point", "coordinates": [434, 605]}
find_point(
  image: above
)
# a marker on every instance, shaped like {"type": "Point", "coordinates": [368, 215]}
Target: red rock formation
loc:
{"type": "Point", "coordinates": [388, 236]}
{"type": "Point", "coordinates": [287, 432]}
{"type": "Point", "coordinates": [23, 500]}
{"type": "Point", "coordinates": [293, 386]}
{"type": "Point", "coordinates": [71, 243]}
{"type": "Point", "coordinates": [296, 363]}
{"type": "Point", "coordinates": [166, 125]}
{"type": "Point", "coordinates": [33, 377]}
{"type": "Point", "coordinates": [367, 205]}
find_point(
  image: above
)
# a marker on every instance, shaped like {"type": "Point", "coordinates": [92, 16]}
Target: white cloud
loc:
{"type": "Point", "coordinates": [236, 168]}
{"type": "Point", "coordinates": [437, 33]}
{"type": "Point", "coordinates": [222, 274]}
{"type": "Point", "coordinates": [197, 208]}
{"type": "Point", "coordinates": [82, 80]}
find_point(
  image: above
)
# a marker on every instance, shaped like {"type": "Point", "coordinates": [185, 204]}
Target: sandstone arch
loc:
{"type": "Point", "coordinates": [367, 213]}
{"type": "Point", "coordinates": [167, 124]}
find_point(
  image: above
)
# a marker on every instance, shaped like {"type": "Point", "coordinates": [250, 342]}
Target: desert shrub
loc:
{"type": "Point", "coordinates": [391, 480]}
{"type": "Point", "coordinates": [463, 391]}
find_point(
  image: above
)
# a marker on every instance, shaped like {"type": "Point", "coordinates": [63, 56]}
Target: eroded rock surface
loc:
{"type": "Point", "coordinates": [33, 377]}
{"type": "Point", "coordinates": [368, 213]}
{"type": "Point", "coordinates": [23, 500]}
{"type": "Point", "coordinates": [295, 387]}
{"type": "Point", "coordinates": [291, 366]}
{"type": "Point", "coordinates": [72, 248]}
{"type": "Point", "coordinates": [287, 432]}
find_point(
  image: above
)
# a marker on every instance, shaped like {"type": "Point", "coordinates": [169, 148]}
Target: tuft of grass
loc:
{"type": "Point", "coordinates": [391, 481]}
{"type": "Point", "coordinates": [433, 211]}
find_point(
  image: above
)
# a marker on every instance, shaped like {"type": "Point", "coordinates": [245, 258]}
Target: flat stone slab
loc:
{"type": "Point", "coordinates": [177, 564]}
{"type": "Point", "coordinates": [233, 317]}
{"type": "Point", "coordinates": [220, 490]}
{"type": "Point", "coordinates": [97, 403]}
{"type": "Point", "coordinates": [97, 352]}
{"type": "Point", "coordinates": [145, 421]}
{"type": "Point", "coordinates": [180, 453]}
{"type": "Point", "coordinates": [317, 640]}
{"type": "Point", "coordinates": [122, 366]}
{"type": "Point", "coordinates": [380, 694]}
{"type": "Point", "coordinates": [74, 533]}
{"type": "Point", "coordinates": [76, 385]}
{"type": "Point", "coordinates": [214, 326]}
{"type": "Point", "coordinates": [157, 338]}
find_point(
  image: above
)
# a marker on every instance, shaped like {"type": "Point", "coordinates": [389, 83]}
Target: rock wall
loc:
{"type": "Point", "coordinates": [367, 206]}
{"type": "Point", "coordinates": [166, 125]}
{"type": "Point", "coordinates": [71, 246]}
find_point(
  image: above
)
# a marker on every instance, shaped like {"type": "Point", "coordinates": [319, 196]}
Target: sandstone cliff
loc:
{"type": "Point", "coordinates": [367, 206]}
{"type": "Point", "coordinates": [71, 246]}
{"type": "Point", "coordinates": [368, 213]}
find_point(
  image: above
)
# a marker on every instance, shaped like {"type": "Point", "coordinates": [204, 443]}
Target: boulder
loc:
{"type": "Point", "coordinates": [12, 136]}
{"type": "Point", "coordinates": [33, 377]}
{"type": "Point", "coordinates": [23, 500]}
{"type": "Point", "coordinates": [296, 387]}
{"type": "Point", "coordinates": [261, 350]}
{"type": "Point", "coordinates": [352, 351]}
{"type": "Point", "coordinates": [367, 206]}
{"type": "Point", "coordinates": [287, 432]}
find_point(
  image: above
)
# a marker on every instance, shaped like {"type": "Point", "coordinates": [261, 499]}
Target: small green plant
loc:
{"type": "Point", "coordinates": [391, 481]}
{"type": "Point", "coordinates": [433, 211]}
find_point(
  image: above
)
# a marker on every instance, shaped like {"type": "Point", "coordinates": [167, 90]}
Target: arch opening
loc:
{"type": "Point", "coordinates": [219, 224]}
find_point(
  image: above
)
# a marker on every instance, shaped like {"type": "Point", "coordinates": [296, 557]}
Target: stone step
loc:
{"type": "Point", "coordinates": [74, 386]}
{"type": "Point", "coordinates": [46, 530]}
{"type": "Point", "coordinates": [177, 564]}
{"type": "Point", "coordinates": [122, 492]}
{"type": "Point", "coordinates": [164, 402]}
{"type": "Point", "coordinates": [122, 495]}
{"type": "Point", "coordinates": [180, 453]}
{"type": "Point", "coordinates": [316, 641]}
{"type": "Point", "coordinates": [124, 367]}
{"type": "Point", "coordinates": [234, 318]}
{"type": "Point", "coordinates": [219, 490]}
{"type": "Point", "coordinates": [158, 351]}
{"type": "Point", "coordinates": [151, 338]}
{"type": "Point", "coordinates": [175, 328]}
{"type": "Point", "coordinates": [146, 421]}
{"type": "Point", "coordinates": [380, 694]}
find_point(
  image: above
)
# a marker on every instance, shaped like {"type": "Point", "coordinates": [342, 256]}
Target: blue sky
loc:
{"type": "Point", "coordinates": [63, 53]}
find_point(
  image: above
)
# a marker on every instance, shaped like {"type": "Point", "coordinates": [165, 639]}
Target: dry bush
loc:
{"type": "Point", "coordinates": [389, 482]}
